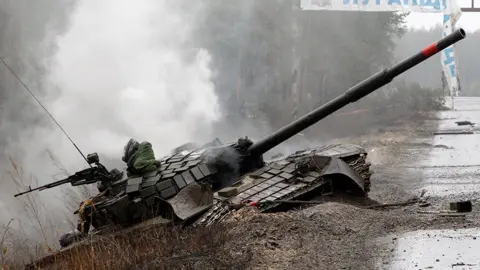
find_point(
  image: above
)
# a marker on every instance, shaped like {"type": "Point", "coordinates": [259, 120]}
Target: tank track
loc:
{"type": "Point", "coordinates": [223, 209]}
{"type": "Point", "coordinates": [362, 167]}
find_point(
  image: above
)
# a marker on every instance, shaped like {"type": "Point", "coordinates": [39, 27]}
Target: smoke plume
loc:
{"type": "Point", "coordinates": [120, 69]}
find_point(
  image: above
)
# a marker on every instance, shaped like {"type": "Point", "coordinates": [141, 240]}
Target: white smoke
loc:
{"type": "Point", "coordinates": [120, 69]}
{"type": "Point", "coordinates": [125, 69]}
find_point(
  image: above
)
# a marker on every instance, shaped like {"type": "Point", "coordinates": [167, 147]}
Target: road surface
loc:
{"type": "Point", "coordinates": [448, 168]}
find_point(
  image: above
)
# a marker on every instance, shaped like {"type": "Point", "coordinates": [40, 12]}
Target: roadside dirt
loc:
{"type": "Point", "coordinates": [327, 236]}
{"type": "Point", "coordinates": [343, 236]}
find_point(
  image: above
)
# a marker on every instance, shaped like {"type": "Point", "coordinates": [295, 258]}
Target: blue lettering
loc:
{"type": "Point", "coordinates": [414, 2]}
{"type": "Point", "coordinates": [436, 4]}
{"type": "Point", "coordinates": [446, 18]}
{"type": "Point", "coordinates": [364, 2]}
{"type": "Point", "coordinates": [430, 3]}
{"type": "Point", "coordinates": [452, 71]}
{"type": "Point", "coordinates": [449, 61]}
{"type": "Point", "coordinates": [390, 2]}
{"type": "Point", "coordinates": [448, 55]}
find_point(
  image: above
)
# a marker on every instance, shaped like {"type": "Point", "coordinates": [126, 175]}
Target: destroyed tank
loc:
{"type": "Point", "coordinates": [199, 185]}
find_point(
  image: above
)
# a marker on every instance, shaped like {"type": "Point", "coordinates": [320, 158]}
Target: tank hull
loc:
{"type": "Point", "coordinates": [182, 186]}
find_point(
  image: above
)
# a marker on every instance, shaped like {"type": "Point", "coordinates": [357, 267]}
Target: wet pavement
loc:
{"type": "Point", "coordinates": [451, 165]}
{"type": "Point", "coordinates": [447, 166]}
{"type": "Point", "coordinates": [435, 249]}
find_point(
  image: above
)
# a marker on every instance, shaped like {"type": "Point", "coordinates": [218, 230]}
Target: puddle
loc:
{"type": "Point", "coordinates": [433, 249]}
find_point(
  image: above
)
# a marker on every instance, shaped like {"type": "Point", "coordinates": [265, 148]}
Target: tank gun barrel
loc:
{"type": "Point", "coordinates": [353, 94]}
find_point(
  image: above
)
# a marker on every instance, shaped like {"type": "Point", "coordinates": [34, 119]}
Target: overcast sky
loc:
{"type": "Point", "coordinates": [470, 21]}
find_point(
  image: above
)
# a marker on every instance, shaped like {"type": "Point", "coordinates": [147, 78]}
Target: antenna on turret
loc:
{"type": "Point", "coordinates": [40, 103]}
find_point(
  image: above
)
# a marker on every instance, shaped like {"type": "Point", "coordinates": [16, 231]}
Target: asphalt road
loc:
{"type": "Point", "coordinates": [447, 166]}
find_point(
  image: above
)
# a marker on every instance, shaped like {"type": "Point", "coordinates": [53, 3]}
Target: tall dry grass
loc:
{"type": "Point", "coordinates": [155, 248]}
{"type": "Point", "coordinates": [35, 231]}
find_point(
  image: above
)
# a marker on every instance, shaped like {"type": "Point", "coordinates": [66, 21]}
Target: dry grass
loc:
{"type": "Point", "coordinates": [35, 231]}
{"type": "Point", "coordinates": [32, 233]}
{"type": "Point", "coordinates": [156, 248]}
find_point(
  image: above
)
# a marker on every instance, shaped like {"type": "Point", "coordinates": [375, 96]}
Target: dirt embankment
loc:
{"type": "Point", "coordinates": [327, 236]}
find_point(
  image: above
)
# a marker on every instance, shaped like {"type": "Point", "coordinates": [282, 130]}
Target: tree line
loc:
{"type": "Point", "coordinates": [281, 62]}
